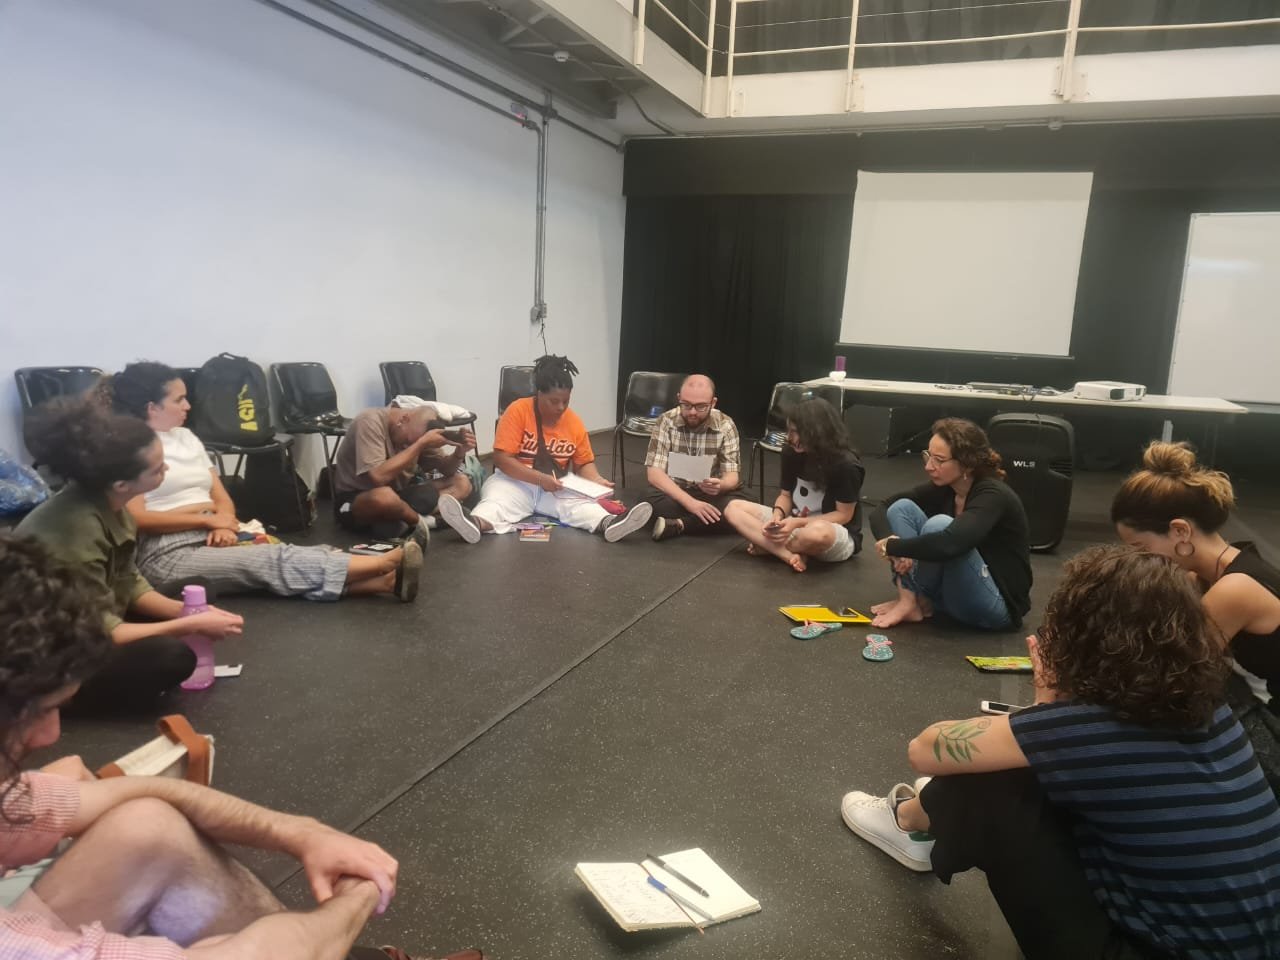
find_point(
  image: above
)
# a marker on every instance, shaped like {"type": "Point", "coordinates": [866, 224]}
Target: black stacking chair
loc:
{"type": "Point", "coordinates": [649, 396]}
{"type": "Point", "coordinates": [514, 383]}
{"type": "Point", "coordinates": [784, 397]}
{"type": "Point", "coordinates": [37, 385]}
{"type": "Point", "coordinates": [412, 378]}
{"type": "Point", "coordinates": [309, 404]}
{"type": "Point", "coordinates": [409, 377]}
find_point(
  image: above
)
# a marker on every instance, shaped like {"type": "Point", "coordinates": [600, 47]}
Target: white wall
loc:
{"type": "Point", "coordinates": [180, 178]}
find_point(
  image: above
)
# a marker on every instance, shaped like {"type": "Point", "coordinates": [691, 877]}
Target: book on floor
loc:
{"type": "Point", "coordinates": [1001, 664]}
{"type": "Point", "coordinates": [802, 613]}
{"type": "Point", "coordinates": [533, 532]}
{"type": "Point", "coordinates": [624, 890]}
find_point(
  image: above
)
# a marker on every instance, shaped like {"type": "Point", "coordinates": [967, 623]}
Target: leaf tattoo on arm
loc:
{"type": "Point", "coordinates": [957, 739]}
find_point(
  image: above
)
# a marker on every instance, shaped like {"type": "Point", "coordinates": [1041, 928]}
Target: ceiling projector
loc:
{"type": "Point", "coordinates": [1109, 390]}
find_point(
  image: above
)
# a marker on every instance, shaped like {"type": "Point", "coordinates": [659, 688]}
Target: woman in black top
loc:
{"type": "Point", "coordinates": [959, 543]}
{"type": "Point", "coordinates": [1177, 508]}
{"type": "Point", "coordinates": [816, 512]}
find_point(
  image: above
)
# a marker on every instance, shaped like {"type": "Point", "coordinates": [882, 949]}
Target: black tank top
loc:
{"type": "Point", "coordinates": [1258, 653]}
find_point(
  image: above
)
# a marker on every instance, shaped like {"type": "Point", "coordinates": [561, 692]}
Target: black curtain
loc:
{"type": "Point", "coordinates": [747, 289]}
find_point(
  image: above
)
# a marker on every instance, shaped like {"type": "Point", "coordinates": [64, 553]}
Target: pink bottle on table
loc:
{"type": "Point", "coordinates": [194, 601]}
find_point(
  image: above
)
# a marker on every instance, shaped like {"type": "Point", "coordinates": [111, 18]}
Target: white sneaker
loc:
{"type": "Point", "coordinates": [457, 516]}
{"type": "Point", "coordinates": [872, 819]}
{"type": "Point", "coordinates": [631, 521]}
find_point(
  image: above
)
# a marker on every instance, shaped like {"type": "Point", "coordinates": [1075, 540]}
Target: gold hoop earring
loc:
{"type": "Point", "coordinates": [1191, 548]}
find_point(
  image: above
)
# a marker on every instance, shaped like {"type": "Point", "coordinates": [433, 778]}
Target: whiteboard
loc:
{"type": "Point", "coordinates": [966, 261]}
{"type": "Point", "coordinates": [1227, 341]}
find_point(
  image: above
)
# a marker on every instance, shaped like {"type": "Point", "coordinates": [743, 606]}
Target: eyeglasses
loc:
{"type": "Point", "coordinates": [694, 407]}
{"type": "Point", "coordinates": [933, 458]}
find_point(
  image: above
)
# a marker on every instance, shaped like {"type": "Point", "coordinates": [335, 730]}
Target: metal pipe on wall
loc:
{"type": "Point", "coordinates": [516, 114]}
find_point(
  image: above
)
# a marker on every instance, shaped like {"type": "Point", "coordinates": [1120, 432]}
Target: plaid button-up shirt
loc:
{"type": "Point", "coordinates": [718, 435]}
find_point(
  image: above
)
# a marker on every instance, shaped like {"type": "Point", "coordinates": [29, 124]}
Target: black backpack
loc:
{"type": "Point", "coordinates": [275, 494]}
{"type": "Point", "coordinates": [234, 406]}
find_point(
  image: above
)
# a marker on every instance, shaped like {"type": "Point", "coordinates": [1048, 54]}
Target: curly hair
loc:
{"type": "Point", "coordinates": [1126, 630]}
{"type": "Point", "coordinates": [83, 442]}
{"type": "Point", "coordinates": [51, 636]}
{"type": "Point", "coordinates": [1171, 485]}
{"type": "Point", "coordinates": [970, 446]}
{"type": "Point", "coordinates": [553, 373]}
{"type": "Point", "coordinates": [822, 434]}
{"type": "Point", "coordinates": [137, 385]}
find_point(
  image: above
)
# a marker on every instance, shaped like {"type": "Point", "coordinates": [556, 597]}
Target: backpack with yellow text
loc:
{"type": "Point", "coordinates": [234, 406]}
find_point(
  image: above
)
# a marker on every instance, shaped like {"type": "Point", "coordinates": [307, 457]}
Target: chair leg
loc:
{"type": "Point", "coordinates": [620, 455]}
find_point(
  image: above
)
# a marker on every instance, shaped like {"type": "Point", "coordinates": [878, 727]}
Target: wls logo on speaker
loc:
{"type": "Point", "coordinates": [1025, 464]}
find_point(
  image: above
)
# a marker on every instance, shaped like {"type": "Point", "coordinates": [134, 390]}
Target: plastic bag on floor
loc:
{"type": "Point", "coordinates": [21, 488]}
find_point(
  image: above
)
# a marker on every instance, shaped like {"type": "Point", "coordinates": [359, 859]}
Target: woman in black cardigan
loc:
{"type": "Point", "coordinates": [959, 543]}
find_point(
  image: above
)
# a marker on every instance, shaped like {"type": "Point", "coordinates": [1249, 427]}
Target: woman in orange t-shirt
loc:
{"type": "Point", "coordinates": [526, 475]}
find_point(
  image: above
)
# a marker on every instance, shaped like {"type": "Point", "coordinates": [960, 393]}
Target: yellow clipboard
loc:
{"type": "Point", "coordinates": [818, 614]}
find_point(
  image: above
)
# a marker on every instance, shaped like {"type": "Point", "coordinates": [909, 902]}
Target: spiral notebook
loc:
{"type": "Point", "coordinates": [623, 889]}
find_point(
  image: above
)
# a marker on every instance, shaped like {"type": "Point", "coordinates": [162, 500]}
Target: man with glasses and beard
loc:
{"type": "Point", "coordinates": [697, 429]}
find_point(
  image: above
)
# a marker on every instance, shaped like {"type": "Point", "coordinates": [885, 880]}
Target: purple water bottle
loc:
{"type": "Point", "coordinates": [194, 601]}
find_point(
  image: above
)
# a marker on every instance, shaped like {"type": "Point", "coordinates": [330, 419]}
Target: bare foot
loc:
{"type": "Point", "coordinates": [885, 607]}
{"type": "Point", "coordinates": [796, 561]}
{"type": "Point", "coordinates": [904, 611]}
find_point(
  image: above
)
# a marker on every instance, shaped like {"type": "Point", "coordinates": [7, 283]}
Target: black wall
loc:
{"type": "Point", "coordinates": [737, 247]}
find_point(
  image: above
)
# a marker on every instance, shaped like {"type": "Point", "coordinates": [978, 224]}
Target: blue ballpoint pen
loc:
{"type": "Point", "coordinates": [677, 898]}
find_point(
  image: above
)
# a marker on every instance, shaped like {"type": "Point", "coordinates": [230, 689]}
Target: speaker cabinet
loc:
{"type": "Point", "coordinates": [1039, 456]}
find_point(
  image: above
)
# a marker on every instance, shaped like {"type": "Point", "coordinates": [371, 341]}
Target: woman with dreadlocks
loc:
{"type": "Point", "coordinates": [539, 440]}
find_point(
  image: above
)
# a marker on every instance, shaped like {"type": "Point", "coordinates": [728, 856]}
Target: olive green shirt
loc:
{"type": "Point", "coordinates": [80, 529]}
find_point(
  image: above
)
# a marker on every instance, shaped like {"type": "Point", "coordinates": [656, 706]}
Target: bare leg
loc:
{"type": "Point", "coordinates": [142, 868]}
{"type": "Point", "coordinates": [386, 583]}
{"type": "Point", "coordinates": [744, 518]}
{"type": "Point", "coordinates": [911, 816]}
{"type": "Point", "coordinates": [908, 608]}
{"type": "Point", "coordinates": [379, 505]}
{"type": "Point", "coordinates": [457, 486]}
{"type": "Point", "coordinates": [360, 567]}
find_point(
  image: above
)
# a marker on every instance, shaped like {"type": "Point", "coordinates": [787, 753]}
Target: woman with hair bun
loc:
{"type": "Point", "coordinates": [959, 543]}
{"type": "Point", "coordinates": [1176, 508]}
{"type": "Point", "coordinates": [108, 460]}
{"type": "Point", "coordinates": [539, 440]}
{"type": "Point", "coordinates": [188, 526]}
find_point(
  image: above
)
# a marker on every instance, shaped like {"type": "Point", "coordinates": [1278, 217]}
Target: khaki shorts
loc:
{"type": "Point", "coordinates": [841, 548]}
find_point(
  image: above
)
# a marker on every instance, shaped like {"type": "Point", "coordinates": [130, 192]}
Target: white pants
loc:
{"type": "Point", "coordinates": [504, 502]}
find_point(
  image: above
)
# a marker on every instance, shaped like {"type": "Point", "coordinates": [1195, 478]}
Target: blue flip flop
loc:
{"type": "Point", "coordinates": [811, 631]}
{"type": "Point", "coordinates": [877, 648]}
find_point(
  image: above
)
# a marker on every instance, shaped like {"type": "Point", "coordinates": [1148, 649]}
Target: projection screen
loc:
{"type": "Point", "coordinates": [965, 261]}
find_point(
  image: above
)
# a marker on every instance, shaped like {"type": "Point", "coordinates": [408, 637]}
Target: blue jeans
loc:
{"type": "Point", "coordinates": [961, 587]}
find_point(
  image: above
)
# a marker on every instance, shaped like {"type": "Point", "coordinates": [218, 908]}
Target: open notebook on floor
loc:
{"type": "Point", "coordinates": [624, 890]}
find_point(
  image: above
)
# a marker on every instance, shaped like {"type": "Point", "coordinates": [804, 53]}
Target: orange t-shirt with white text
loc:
{"type": "Point", "coordinates": [567, 440]}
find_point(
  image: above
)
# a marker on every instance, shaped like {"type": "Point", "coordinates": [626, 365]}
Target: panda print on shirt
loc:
{"type": "Point", "coordinates": [806, 498]}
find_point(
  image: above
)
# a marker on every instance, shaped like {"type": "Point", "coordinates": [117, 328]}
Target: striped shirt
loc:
{"type": "Point", "coordinates": [718, 435]}
{"type": "Point", "coordinates": [1178, 832]}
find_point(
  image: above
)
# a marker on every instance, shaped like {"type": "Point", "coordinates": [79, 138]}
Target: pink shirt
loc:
{"type": "Point", "coordinates": [39, 809]}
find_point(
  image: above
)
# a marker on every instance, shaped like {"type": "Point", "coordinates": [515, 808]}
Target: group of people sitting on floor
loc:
{"type": "Point", "coordinates": [1130, 813]}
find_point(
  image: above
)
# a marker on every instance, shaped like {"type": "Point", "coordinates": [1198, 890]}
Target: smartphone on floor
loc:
{"type": "Point", "coordinates": [375, 549]}
{"type": "Point", "coordinates": [995, 707]}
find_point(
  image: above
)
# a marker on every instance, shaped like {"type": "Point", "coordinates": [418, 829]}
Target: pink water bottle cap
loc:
{"type": "Point", "coordinates": [840, 363]}
{"type": "Point", "coordinates": [193, 595]}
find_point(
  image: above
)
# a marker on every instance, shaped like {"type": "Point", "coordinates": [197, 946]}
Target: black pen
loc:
{"type": "Point", "coordinates": [678, 875]}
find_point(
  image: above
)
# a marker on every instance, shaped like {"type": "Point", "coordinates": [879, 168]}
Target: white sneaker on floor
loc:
{"type": "Point", "coordinates": [631, 521]}
{"type": "Point", "coordinates": [872, 819]}
{"type": "Point", "coordinates": [459, 517]}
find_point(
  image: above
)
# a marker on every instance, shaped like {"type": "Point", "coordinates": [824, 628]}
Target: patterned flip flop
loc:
{"type": "Point", "coordinates": [877, 648]}
{"type": "Point", "coordinates": [811, 631]}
